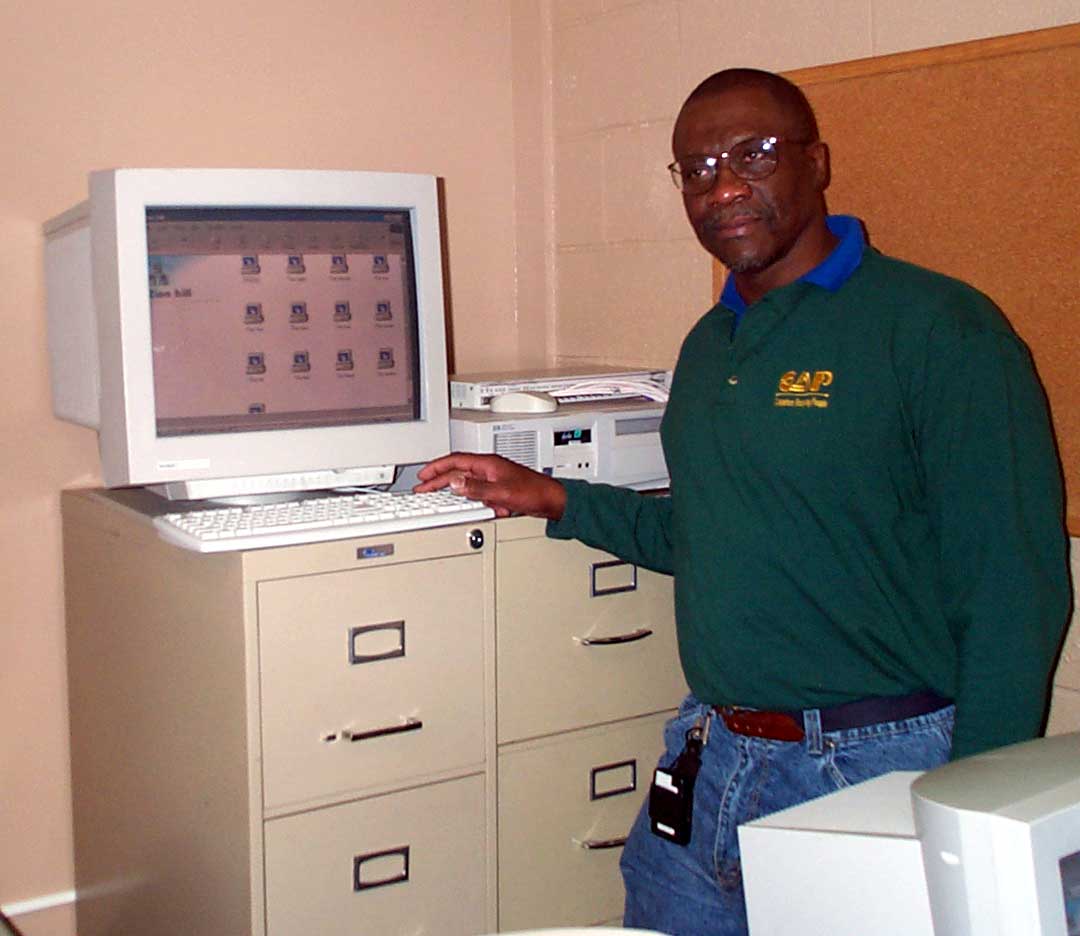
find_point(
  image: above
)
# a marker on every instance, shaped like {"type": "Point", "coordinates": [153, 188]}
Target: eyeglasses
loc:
{"type": "Point", "coordinates": [752, 159]}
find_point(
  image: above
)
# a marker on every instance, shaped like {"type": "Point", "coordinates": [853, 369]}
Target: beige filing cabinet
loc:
{"type": "Point", "coordinates": [280, 741]}
{"type": "Point", "coordinates": [324, 738]}
{"type": "Point", "coordinates": [587, 675]}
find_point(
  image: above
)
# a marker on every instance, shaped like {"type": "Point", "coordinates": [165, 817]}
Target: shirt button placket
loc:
{"type": "Point", "coordinates": [729, 383]}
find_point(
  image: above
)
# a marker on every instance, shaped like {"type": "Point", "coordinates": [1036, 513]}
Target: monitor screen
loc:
{"type": "Point", "coordinates": [1070, 886]}
{"type": "Point", "coordinates": [281, 319]}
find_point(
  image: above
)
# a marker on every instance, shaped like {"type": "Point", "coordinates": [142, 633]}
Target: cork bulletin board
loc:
{"type": "Point", "coordinates": [966, 159]}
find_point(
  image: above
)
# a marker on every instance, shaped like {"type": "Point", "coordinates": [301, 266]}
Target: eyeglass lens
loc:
{"type": "Point", "coordinates": [748, 159]}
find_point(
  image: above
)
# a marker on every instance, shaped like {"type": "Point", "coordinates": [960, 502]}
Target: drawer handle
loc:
{"type": "Point", "coordinates": [596, 590]}
{"type": "Point", "coordinates": [600, 844]}
{"type": "Point", "coordinates": [399, 877]}
{"type": "Point", "coordinates": [410, 724]}
{"type": "Point", "coordinates": [640, 634]}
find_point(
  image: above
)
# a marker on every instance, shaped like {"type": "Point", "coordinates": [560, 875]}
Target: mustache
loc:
{"type": "Point", "coordinates": [726, 215]}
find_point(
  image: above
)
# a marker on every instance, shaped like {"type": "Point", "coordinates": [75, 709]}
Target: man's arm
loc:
{"type": "Point", "coordinates": [994, 492]}
{"type": "Point", "coordinates": [635, 527]}
{"type": "Point", "coordinates": [629, 525]}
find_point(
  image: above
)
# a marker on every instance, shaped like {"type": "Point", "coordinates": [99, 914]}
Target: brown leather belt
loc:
{"type": "Point", "coordinates": [788, 726]}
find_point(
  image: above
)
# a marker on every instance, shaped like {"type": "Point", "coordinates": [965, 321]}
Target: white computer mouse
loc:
{"type": "Point", "coordinates": [523, 401]}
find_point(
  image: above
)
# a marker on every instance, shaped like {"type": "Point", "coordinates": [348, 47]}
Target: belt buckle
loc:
{"type": "Point", "coordinates": [774, 726]}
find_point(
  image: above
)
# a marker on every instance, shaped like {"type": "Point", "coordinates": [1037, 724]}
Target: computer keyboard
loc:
{"type": "Point", "coordinates": [316, 519]}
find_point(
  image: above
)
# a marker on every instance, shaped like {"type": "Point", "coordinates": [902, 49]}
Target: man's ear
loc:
{"type": "Point", "coordinates": [818, 152]}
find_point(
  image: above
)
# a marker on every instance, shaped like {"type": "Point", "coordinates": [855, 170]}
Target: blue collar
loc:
{"type": "Point", "coordinates": [835, 270]}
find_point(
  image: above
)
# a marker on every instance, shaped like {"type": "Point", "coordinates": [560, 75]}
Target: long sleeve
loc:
{"type": "Point", "coordinates": [994, 493]}
{"type": "Point", "coordinates": [635, 527]}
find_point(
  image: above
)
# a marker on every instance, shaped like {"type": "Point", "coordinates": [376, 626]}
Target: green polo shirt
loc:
{"type": "Point", "coordinates": [865, 501]}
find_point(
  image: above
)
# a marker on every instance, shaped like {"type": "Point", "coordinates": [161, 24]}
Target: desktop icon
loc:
{"type": "Point", "coordinates": [342, 312]}
{"type": "Point", "coordinates": [295, 265]}
{"type": "Point", "coordinates": [158, 276]}
{"type": "Point", "coordinates": [379, 264]}
{"type": "Point", "coordinates": [344, 360]}
{"type": "Point", "coordinates": [253, 313]}
{"type": "Point", "coordinates": [339, 263]}
{"type": "Point", "coordinates": [386, 359]}
{"type": "Point", "coordinates": [256, 363]}
{"type": "Point", "coordinates": [301, 362]}
{"type": "Point", "coordinates": [383, 313]}
{"type": "Point", "coordinates": [249, 265]}
{"type": "Point", "coordinates": [298, 314]}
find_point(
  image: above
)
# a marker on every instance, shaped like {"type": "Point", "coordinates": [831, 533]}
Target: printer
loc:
{"type": "Point", "coordinates": [611, 441]}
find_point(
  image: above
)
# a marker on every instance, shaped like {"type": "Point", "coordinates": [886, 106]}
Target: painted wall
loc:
{"type": "Point", "coordinates": [422, 86]}
{"type": "Point", "coordinates": [548, 121]}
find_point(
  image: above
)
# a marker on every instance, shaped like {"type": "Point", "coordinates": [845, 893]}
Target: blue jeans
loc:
{"type": "Point", "coordinates": [697, 890]}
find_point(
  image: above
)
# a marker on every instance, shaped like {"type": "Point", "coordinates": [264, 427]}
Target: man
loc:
{"type": "Point", "coordinates": [865, 520]}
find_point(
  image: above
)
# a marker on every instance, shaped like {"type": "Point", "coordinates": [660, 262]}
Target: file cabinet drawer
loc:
{"type": "Point", "coordinates": [370, 677]}
{"type": "Point", "coordinates": [407, 863]}
{"type": "Point", "coordinates": [565, 806]}
{"type": "Point", "coordinates": [582, 638]}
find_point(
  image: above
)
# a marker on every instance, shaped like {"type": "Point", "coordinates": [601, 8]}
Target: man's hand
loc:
{"type": "Point", "coordinates": [503, 485]}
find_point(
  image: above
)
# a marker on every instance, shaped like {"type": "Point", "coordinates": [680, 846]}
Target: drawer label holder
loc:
{"type": "Point", "coordinates": [613, 779]}
{"type": "Point", "coordinates": [396, 860]}
{"type": "Point", "coordinates": [372, 634]}
{"type": "Point", "coordinates": [604, 578]}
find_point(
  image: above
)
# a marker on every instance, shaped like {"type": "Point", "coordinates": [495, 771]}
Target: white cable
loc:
{"type": "Point", "coordinates": [613, 388]}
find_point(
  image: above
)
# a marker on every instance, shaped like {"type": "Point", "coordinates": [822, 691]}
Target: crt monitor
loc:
{"type": "Point", "coordinates": [1000, 836]}
{"type": "Point", "coordinates": [241, 332]}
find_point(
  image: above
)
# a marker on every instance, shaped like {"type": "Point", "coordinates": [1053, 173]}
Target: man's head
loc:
{"type": "Point", "coordinates": [766, 228]}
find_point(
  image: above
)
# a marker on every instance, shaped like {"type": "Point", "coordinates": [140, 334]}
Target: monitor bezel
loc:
{"type": "Point", "coordinates": [1055, 835]}
{"type": "Point", "coordinates": [132, 452]}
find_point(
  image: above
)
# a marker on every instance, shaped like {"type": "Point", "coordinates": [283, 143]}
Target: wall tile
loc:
{"type": "Point", "coordinates": [631, 303]}
{"type": "Point", "coordinates": [533, 174]}
{"type": "Point", "coordinates": [1068, 671]}
{"type": "Point", "coordinates": [1058, 13]}
{"type": "Point", "coordinates": [640, 203]}
{"type": "Point", "coordinates": [1064, 712]}
{"type": "Point", "coordinates": [615, 70]}
{"type": "Point", "coordinates": [780, 35]}
{"type": "Point", "coordinates": [580, 177]}
{"type": "Point", "coordinates": [566, 12]}
{"type": "Point", "coordinates": [919, 24]}
{"type": "Point", "coordinates": [1074, 553]}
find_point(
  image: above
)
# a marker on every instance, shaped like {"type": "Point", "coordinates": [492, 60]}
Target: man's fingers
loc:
{"type": "Point", "coordinates": [460, 482]}
{"type": "Point", "coordinates": [454, 461]}
{"type": "Point", "coordinates": [473, 488]}
{"type": "Point", "coordinates": [436, 483]}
